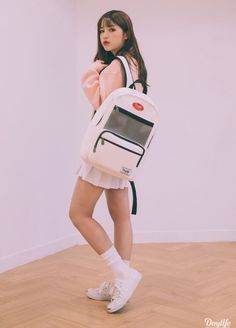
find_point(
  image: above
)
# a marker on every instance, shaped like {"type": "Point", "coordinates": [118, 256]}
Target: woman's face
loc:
{"type": "Point", "coordinates": [112, 37]}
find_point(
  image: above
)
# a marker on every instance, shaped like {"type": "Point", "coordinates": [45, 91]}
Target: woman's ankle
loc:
{"type": "Point", "coordinates": [127, 262]}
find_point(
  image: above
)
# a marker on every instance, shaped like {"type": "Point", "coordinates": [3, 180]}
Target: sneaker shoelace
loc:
{"type": "Point", "coordinates": [104, 288]}
{"type": "Point", "coordinates": [116, 291]}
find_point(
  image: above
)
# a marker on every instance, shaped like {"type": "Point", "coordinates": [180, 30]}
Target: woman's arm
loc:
{"type": "Point", "coordinates": [98, 86]}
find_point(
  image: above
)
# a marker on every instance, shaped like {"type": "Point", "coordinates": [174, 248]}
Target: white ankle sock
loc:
{"type": "Point", "coordinates": [115, 263]}
{"type": "Point", "coordinates": [127, 262]}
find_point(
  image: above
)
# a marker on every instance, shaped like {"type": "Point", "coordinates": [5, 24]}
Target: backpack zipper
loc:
{"type": "Point", "coordinates": [102, 142]}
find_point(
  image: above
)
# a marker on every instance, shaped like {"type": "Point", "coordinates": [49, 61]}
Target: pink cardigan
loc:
{"type": "Point", "coordinates": [98, 86]}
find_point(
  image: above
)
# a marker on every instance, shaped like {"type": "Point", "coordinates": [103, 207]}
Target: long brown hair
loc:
{"type": "Point", "coordinates": [130, 48]}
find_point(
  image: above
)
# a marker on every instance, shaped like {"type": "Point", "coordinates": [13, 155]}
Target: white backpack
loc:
{"type": "Point", "coordinates": [121, 130]}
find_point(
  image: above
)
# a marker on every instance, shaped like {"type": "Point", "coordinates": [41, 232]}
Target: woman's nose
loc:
{"type": "Point", "coordinates": [105, 34]}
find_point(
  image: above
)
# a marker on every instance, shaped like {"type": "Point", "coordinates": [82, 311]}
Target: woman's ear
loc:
{"type": "Point", "coordinates": [125, 36]}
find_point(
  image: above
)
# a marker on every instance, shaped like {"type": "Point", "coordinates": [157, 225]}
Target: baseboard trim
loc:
{"type": "Point", "coordinates": [183, 236]}
{"type": "Point", "coordinates": [26, 256]}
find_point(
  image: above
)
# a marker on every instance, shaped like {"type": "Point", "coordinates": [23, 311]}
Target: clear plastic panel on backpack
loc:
{"type": "Point", "coordinates": [129, 125]}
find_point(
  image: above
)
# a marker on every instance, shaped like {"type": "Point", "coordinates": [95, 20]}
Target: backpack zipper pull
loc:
{"type": "Point", "coordinates": [95, 146]}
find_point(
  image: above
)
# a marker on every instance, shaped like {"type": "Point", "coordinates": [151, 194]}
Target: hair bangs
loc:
{"type": "Point", "coordinates": [106, 21]}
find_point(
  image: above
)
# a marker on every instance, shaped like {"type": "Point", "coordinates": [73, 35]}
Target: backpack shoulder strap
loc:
{"type": "Point", "coordinates": [129, 81]}
{"type": "Point", "coordinates": [128, 75]}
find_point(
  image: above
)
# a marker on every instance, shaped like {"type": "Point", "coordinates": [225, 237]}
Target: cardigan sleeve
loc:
{"type": "Point", "coordinates": [98, 86]}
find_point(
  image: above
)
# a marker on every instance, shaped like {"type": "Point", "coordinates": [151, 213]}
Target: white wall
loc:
{"type": "Point", "coordinates": [187, 186]}
{"type": "Point", "coordinates": [39, 127]}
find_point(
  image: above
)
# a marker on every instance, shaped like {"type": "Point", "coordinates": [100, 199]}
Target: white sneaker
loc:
{"type": "Point", "coordinates": [122, 290]}
{"type": "Point", "coordinates": [100, 293]}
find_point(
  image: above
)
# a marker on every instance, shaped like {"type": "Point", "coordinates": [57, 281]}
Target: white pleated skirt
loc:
{"type": "Point", "coordinates": [98, 178]}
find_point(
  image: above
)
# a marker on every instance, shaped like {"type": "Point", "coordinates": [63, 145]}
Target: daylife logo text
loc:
{"type": "Point", "coordinates": [223, 323]}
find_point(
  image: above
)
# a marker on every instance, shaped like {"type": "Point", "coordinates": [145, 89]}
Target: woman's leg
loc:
{"type": "Point", "coordinates": [118, 205]}
{"type": "Point", "coordinates": [84, 199]}
{"type": "Point", "coordinates": [82, 206]}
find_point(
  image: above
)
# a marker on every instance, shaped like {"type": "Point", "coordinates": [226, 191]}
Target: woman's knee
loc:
{"type": "Point", "coordinates": [118, 205]}
{"type": "Point", "coordinates": [112, 211]}
{"type": "Point", "coordinates": [79, 212]}
{"type": "Point", "coordinates": [119, 215]}
{"type": "Point", "coordinates": [83, 201]}
{"type": "Point", "coordinates": [76, 216]}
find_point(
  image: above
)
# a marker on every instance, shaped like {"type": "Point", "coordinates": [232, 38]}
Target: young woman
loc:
{"type": "Point", "coordinates": [105, 74]}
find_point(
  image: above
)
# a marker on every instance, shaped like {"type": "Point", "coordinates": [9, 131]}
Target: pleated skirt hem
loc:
{"type": "Point", "coordinates": [100, 179]}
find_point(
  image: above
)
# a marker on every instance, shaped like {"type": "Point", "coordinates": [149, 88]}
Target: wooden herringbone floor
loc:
{"type": "Point", "coordinates": [182, 284]}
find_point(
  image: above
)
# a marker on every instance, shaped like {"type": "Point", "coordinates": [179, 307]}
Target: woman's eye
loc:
{"type": "Point", "coordinates": [111, 30]}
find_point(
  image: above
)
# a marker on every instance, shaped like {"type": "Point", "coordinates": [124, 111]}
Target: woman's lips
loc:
{"type": "Point", "coordinates": [106, 42]}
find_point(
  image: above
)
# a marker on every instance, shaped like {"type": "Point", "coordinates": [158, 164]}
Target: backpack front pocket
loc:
{"type": "Point", "coordinates": [116, 155]}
